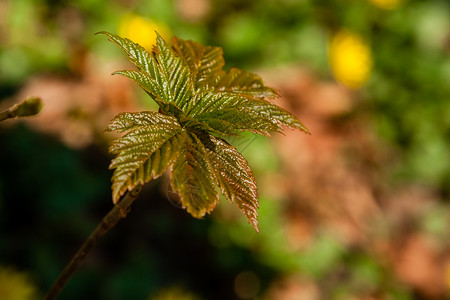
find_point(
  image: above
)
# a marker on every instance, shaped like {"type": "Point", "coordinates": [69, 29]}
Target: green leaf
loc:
{"type": "Point", "coordinates": [136, 53]}
{"type": "Point", "coordinates": [234, 177]}
{"type": "Point", "coordinates": [205, 62]}
{"type": "Point", "coordinates": [145, 151]}
{"type": "Point", "coordinates": [146, 82]}
{"type": "Point", "coordinates": [158, 161]}
{"type": "Point", "coordinates": [174, 75]}
{"type": "Point", "coordinates": [243, 83]}
{"type": "Point", "coordinates": [200, 103]}
{"type": "Point", "coordinates": [226, 112]}
{"type": "Point", "coordinates": [153, 89]}
{"type": "Point", "coordinates": [230, 120]}
{"type": "Point", "coordinates": [274, 114]}
{"type": "Point", "coordinates": [193, 178]}
{"type": "Point", "coordinates": [162, 74]}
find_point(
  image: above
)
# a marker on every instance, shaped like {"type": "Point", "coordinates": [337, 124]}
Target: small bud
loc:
{"type": "Point", "coordinates": [30, 107]}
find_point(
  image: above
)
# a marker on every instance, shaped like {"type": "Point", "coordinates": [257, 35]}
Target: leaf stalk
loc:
{"type": "Point", "coordinates": [28, 107]}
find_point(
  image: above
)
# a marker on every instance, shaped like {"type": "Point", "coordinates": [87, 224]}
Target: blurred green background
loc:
{"type": "Point", "coordinates": [358, 210]}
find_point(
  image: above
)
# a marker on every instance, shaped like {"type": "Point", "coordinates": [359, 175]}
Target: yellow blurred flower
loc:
{"type": "Point", "coordinates": [142, 30]}
{"type": "Point", "coordinates": [16, 285]}
{"type": "Point", "coordinates": [386, 4]}
{"type": "Point", "coordinates": [350, 58]}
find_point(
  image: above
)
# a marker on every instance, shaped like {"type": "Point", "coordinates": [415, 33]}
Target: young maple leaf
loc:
{"type": "Point", "coordinates": [199, 104]}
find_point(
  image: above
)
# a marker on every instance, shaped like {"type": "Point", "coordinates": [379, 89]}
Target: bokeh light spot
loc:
{"type": "Point", "coordinates": [246, 285]}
